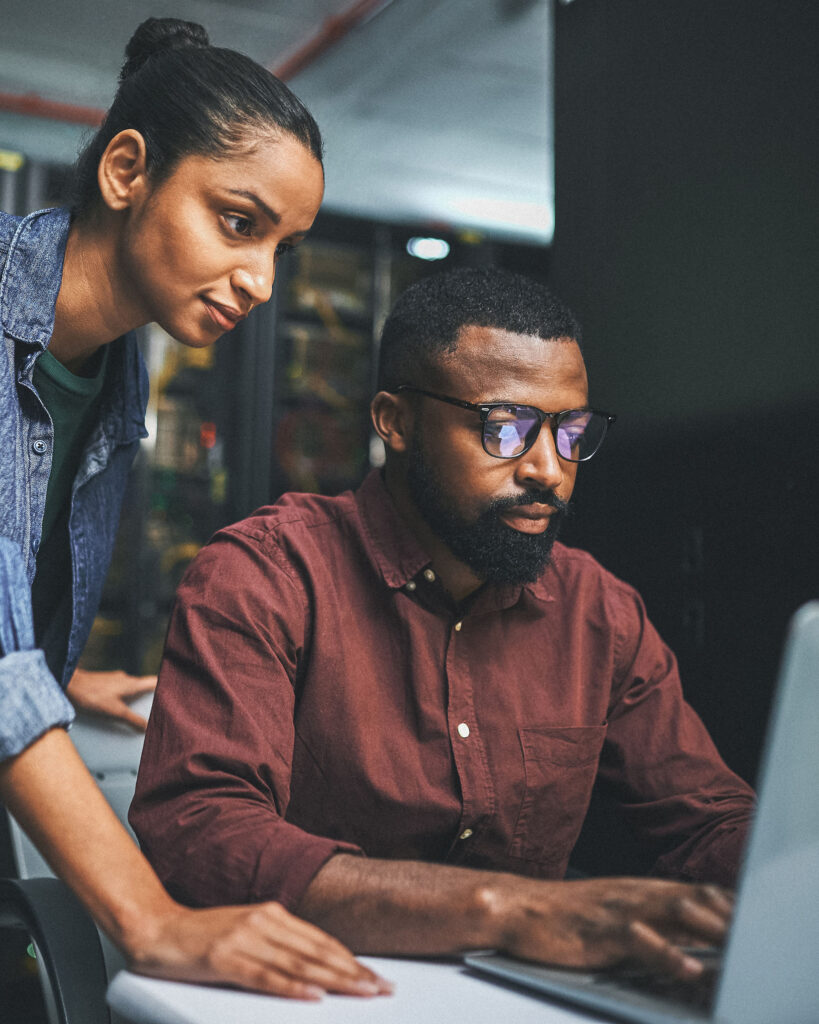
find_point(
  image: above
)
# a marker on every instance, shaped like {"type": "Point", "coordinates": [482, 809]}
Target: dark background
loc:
{"type": "Point", "coordinates": [686, 227]}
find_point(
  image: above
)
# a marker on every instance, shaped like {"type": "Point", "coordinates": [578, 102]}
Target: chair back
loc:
{"type": "Point", "coordinates": [111, 751]}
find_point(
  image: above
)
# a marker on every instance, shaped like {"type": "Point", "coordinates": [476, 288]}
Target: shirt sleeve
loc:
{"type": "Point", "coordinates": [214, 782]}
{"type": "Point", "coordinates": [31, 700]}
{"type": "Point", "coordinates": [673, 787]}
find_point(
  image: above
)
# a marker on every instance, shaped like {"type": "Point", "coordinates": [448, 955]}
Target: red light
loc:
{"type": "Point", "coordinates": [207, 435]}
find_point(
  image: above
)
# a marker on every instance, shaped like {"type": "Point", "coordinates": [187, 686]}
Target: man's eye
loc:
{"type": "Point", "coordinates": [241, 225]}
{"type": "Point", "coordinates": [283, 248]}
{"type": "Point", "coordinates": [573, 438]}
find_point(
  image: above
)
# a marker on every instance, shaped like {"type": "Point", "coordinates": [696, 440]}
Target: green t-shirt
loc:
{"type": "Point", "coordinates": [73, 403]}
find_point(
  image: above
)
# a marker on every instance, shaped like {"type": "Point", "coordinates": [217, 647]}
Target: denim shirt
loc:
{"type": "Point", "coordinates": [31, 263]}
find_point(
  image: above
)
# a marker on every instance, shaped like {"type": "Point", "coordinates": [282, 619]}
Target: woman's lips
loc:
{"type": "Point", "coordinates": [527, 518]}
{"type": "Point", "coordinates": [222, 317]}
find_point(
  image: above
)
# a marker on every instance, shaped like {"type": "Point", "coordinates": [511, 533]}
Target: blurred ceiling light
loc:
{"type": "Point", "coordinates": [533, 217]}
{"type": "Point", "coordinates": [428, 248]}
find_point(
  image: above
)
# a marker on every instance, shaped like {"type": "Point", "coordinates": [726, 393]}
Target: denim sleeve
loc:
{"type": "Point", "coordinates": [31, 701]}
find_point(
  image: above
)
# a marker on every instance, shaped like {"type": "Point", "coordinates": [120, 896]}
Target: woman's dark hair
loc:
{"type": "Point", "coordinates": [187, 97]}
{"type": "Point", "coordinates": [427, 318]}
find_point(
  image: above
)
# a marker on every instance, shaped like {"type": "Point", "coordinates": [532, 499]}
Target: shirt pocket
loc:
{"type": "Point", "coordinates": [560, 766]}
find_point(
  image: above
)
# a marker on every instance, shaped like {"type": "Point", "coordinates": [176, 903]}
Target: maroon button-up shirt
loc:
{"type": "Point", "coordinates": [321, 693]}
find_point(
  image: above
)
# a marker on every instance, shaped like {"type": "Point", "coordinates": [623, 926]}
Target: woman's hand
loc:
{"type": "Point", "coordinates": [262, 948]}
{"type": "Point", "coordinates": [106, 693]}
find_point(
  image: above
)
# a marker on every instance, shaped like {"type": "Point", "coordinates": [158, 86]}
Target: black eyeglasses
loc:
{"type": "Point", "coordinates": [510, 430]}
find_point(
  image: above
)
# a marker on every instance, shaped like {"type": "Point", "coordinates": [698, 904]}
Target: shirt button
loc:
{"type": "Point", "coordinates": [429, 575]}
{"type": "Point", "coordinates": [458, 627]}
{"type": "Point", "coordinates": [467, 832]}
{"type": "Point", "coordinates": [411, 585]}
{"type": "Point", "coordinates": [463, 730]}
{"type": "Point", "coordinates": [39, 447]}
{"type": "Point", "coordinates": [35, 545]}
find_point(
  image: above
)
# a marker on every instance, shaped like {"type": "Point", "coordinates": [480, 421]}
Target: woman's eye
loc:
{"type": "Point", "coordinates": [241, 225]}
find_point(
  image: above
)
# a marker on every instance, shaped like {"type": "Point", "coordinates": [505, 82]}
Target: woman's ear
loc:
{"type": "Point", "coordinates": [393, 420]}
{"type": "Point", "coordinates": [122, 171]}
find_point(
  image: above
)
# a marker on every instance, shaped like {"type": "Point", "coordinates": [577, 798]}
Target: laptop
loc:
{"type": "Point", "coordinates": [769, 972]}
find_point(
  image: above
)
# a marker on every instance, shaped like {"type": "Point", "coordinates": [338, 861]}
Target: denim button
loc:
{"type": "Point", "coordinates": [35, 545]}
{"type": "Point", "coordinates": [39, 447]}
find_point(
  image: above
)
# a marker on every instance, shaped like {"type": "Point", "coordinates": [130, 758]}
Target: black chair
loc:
{"type": "Point", "coordinates": [67, 943]}
{"type": "Point", "coordinates": [75, 961]}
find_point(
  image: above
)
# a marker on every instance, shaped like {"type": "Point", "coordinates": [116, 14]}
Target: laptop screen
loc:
{"type": "Point", "coordinates": [770, 972]}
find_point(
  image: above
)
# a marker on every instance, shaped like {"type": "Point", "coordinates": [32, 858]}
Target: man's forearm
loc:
{"type": "Point", "coordinates": [405, 907]}
{"type": "Point", "coordinates": [416, 908]}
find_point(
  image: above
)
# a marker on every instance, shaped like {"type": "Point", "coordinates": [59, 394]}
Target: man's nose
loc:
{"type": "Point", "coordinates": [541, 466]}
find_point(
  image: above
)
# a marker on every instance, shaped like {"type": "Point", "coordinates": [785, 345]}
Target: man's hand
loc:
{"type": "Point", "coordinates": [606, 921]}
{"type": "Point", "coordinates": [262, 948]}
{"type": "Point", "coordinates": [106, 693]}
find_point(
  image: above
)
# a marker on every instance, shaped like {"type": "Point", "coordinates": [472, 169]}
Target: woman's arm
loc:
{"type": "Point", "coordinates": [262, 947]}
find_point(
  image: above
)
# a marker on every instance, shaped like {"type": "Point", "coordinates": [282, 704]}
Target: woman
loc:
{"type": "Point", "coordinates": [206, 170]}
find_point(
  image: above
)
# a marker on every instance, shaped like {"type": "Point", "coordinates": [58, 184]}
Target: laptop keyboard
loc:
{"type": "Point", "coordinates": [697, 993]}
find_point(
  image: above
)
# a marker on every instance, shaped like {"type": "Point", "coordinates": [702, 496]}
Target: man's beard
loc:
{"type": "Point", "coordinates": [495, 552]}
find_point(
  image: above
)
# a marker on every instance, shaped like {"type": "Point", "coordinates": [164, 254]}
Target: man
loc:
{"type": "Point", "coordinates": [419, 673]}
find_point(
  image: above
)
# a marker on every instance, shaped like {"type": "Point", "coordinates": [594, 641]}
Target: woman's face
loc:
{"type": "Point", "coordinates": [199, 251]}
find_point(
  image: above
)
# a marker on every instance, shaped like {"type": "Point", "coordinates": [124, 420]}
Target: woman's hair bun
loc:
{"type": "Point", "coordinates": [158, 35]}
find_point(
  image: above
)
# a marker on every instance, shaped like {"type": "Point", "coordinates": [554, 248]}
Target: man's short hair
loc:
{"type": "Point", "coordinates": [427, 317]}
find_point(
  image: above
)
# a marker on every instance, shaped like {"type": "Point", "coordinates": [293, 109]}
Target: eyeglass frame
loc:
{"type": "Point", "coordinates": [485, 408]}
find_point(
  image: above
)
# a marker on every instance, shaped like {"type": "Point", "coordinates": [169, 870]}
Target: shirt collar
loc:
{"type": "Point", "coordinates": [32, 276]}
{"type": "Point", "coordinates": [400, 558]}
{"type": "Point", "coordinates": [123, 411]}
{"type": "Point", "coordinates": [393, 546]}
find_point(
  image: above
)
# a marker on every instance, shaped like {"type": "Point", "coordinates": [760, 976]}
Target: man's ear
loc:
{"type": "Point", "coordinates": [393, 420]}
{"type": "Point", "coordinates": [122, 172]}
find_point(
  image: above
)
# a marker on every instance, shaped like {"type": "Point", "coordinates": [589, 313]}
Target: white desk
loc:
{"type": "Point", "coordinates": [426, 992]}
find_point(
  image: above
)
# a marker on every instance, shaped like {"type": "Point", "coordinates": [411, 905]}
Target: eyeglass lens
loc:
{"type": "Point", "coordinates": [511, 429]}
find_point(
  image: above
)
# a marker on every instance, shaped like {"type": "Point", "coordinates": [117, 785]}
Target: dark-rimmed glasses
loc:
{"type": "Point", "coordinates": [510, 430]}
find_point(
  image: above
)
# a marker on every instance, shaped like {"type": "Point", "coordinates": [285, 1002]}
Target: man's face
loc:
{"type": "Point", "coordinates": [499, 517]}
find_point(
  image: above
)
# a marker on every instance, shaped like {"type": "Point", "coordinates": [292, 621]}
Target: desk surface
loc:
{"type": "Point", "coordinates": [426, 992]}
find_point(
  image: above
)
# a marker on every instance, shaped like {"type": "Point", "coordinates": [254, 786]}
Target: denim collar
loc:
{"type": "Point", "coordinates": [32, 276]}
{"type": "Point", "coordinates": [29, 286]}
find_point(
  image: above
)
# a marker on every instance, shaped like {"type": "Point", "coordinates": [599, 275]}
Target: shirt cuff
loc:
{"type": "Point", "coordinates": [31, 701]}
{"type": "Point", "coordinates": [290, 863]}
{"type": "Point", "coordinates": [716, 860]}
